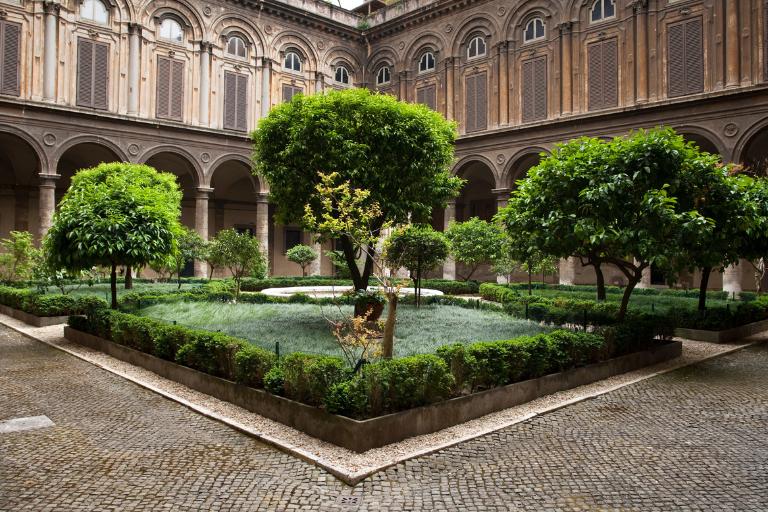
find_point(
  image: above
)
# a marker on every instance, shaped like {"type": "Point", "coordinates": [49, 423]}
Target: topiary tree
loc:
{"type": "Point", "coordinates": [400, 153]}
{"type": "Point", "coordinates": [418, 248]}
{"type": "Point", "coordinates": [302, 255]}
{"type": "Point", "coordinates": [115, 214]}
{"type": "Point", "coordinates": [241, 254]}
{"type": "Point", "coordinates": [474, 242]}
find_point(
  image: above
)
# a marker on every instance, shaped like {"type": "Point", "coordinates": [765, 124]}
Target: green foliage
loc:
{"type": "Point", "coordinates": [189, 246]}
{"type": "Point", "coordinates": [418, 248]}
{"type": "Point", "coordinates": [307, 377]}
{"type": "Point", "coordinates": [46, 305]}
{"type": "Point", "coordinates": [302, 255]}
{"type": "Point", "coordinates": [241, 254]}
{"type": "Point", "coordinates": [474, 242]}
{"type": "Point", "coordinates": [252, 364]}
{"type": "Point", "coordinates": [17, 256]}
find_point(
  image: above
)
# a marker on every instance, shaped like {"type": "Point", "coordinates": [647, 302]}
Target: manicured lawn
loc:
{"type": "Point", "coordinates": [302, 327]}
{"type": "Point", "coordinates": [102, 289]}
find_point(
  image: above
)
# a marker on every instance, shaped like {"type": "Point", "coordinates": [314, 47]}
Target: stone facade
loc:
{"type": "Point", "coordinates": [179, 84]}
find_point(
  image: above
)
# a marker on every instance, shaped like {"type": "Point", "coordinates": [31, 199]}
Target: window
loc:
{"type": "Point", "coordinates": [235, 101]}
{"type": "Point", "coordinates": [476, 47]}
{"type": "Point", "coordinates": [384, 76]}
{"type": "Point", "coordinates": [292, 62]}
{"type": "Point", "coordinates": [602, 10]}
{"type": "Point", "coordinates": [476, 101]}
{"type": "Point", "coordinates": [10, 48]}
{"type": "Point", "coordinates": [534, 89]}
{"type": "Point", "coordinates": [427, 62]}
{"type": "Point", "coordinates": [292, 238]}
{"type": "Point", "coordinates": [685, 58]}
{"type": "Point", "coordinates": [170, 89]}
{"type": "Point", "coordinates": [534, 30]}
{"type": "Point", "coordinates": [289, 91]}
{"type": "Point", "coordinates": [92, 74]}
{"type": "Point", "coordinates": [427, 96]}
{"type": "Point", "coordinates": [236, 47]}
{"type": "Point", "coordinates": [602, 70]}
{"type": "Point", "coordinates": [341, 76]}
{"type": "Point", "coordinates": [94, 10]}
{"type": "Point", "coordinates": [171, 30]}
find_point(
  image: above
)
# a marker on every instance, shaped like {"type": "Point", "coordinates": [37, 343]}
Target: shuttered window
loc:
{"type": "Point", "coordinates": [289, 91]}
{"type": "Point", "coordinates": [10, 53]}
{"type": "Point", "coordinates": [534, 89]}
{"type": "Point", "coordinates": [427, 96]}
{"type": "Point", "coordinates": [476, 98]}
{"type": "Point", "coordinates": [235, 101]}
{"type": "Point", "coordinates": [603, 74]}
{"type": "Point", "coordinates": [170, 89]}
{"type": "Point", "coordinates": [92, 74]}
{"type": "Point", "coordinates": [685, 58]}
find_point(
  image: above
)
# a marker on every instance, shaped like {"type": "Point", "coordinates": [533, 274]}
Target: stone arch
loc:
{"type": "Point", "coordinates": [519, 165]}
{"type": "Point", "coordinates": [752, 148]}
{"type": "Point", "coordinates": [579, 10]}
{"type": "Point", "coordinates": [477, 197]}
{"type": "Point", "coordinates": [385, 55]}
{"type": "Point", "coordinates": [120, 11]}
{"type": "Point", "coordinates": [705, 139]}
{"type": "Point", "coordinates": [547, 9]}
{"type": "Point", "coordinates": [476, 25]}
{"type": "Point", "coordinates": [227, 25]}
{"type": "Point", "coordinates": [187, 171]}
{"type": "Point", "coordinates": [182, 155]}
{"type": "Point", "coordinates": [40, 153]}
{"type": "Point", "coordinates": [89, 139]}
{"type": "Point", "coordinates": [342, 56]}
{"type": "Point", "coordinates": [185, 11]}
{"type": "Point", "coordinates": [82, 152]}
{"type": "Point", "coordinates": [233, 200]}
{"type": "Point", "coordinates": [258, 181]}
{"type": "Point", "coordinates": [21, 161]}
{"type": "Point", "coordinates": [289, 39]}
{"type": "Point", "coordinates": [430, 41]}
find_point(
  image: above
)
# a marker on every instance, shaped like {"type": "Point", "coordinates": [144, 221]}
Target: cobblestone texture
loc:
{"type": "Point", "coordinates": [693, 439]}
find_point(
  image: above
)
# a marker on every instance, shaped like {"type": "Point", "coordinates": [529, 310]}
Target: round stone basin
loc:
{"type": "Point", "coordinates": [324, 292]}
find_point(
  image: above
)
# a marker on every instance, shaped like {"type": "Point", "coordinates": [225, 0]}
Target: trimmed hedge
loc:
{"type": "Point", "coordinates": [722, 317]}
{"type": "Point", "coordinates": [39, 304]}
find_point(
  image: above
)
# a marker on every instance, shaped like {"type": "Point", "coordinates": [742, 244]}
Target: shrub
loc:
{"type": "Point", "coordinates": [168, 340]}
{"type": "Point", "coordinates": [307, 377]}
{"type": "Point", "coordinates": [274, 379]}
{"type": "Point", "coordinates": [252, 364]}
{"type": "Point", "coordinates": [211, 352]}
{"type": "Point", "coordinates": [134, 331]}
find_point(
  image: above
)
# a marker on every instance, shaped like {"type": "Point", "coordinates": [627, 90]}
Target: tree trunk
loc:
{"type": "Point", "coordinates": [627, 294]}
{"type": "Point", "coordinates": [303, 271]}
{"type": "Point", "coordinates": [210, 272]}
{"type": "Point", "coordinates": [113, 285]}
{"type": "Point", "coordinates": [530, 284]}
{"type": "Point", "coordinates": [349, 257]}
{"type": "Point", "coordinates": [600, 281]}
{"type": "Point", "coordinates": [128, 278]}
{"type": "Point", "coordinates": [705, 271]}
{"type": "Point", "coordinates": [388, 344]}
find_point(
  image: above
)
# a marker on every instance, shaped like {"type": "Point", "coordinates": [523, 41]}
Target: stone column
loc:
{"type": "Point", "coordinates": [262, 225]}
{"type": "Point", "coordinates": [502, 197]}
{"type": "Point", "coordinates": [46, 201]}
{"type": "Point", "coordinates": [266, 81]}
{"type": "Point", "coordinates": [567, 270]}
{"type": "Point", "coordinates": [403, 86]}
{"type": "Point", "coordinates": [201, 224]}
{"type": "Point", "coordinates": [732, 43]}
{"type": "Point", "coordinates": [645, 280]}
{"type": "Point", "coordinates": [315, 269]}
{"type": "Point", "coordinates": [566, 72]}
{"type": "Point", "coordinates": [732, 278]}
{"type": "Point", "coordinates": [449, 88]}
{"type": "Point", "coordinates": [205, 83]}
{"type": "Point", "coordinates": [50, 56]}
{"type": "Point", "coordinates": [319, 83]}
{"type": "Point", "coordinates": [134, 67]}
{"type": "Point", "coordinates": [641, 53]}
{"type": "Point", "coordinates": [449, 266]}
{"type": "Point", "coordinates": [503, 83]}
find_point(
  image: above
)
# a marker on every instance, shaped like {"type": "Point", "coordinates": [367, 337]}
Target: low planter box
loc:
{"type": "Point", "coordinates": [362, 435]}
{"type": "Point", "coordinates": [29, 318]}
{"type": "Point", "coordinates": [724, 336]}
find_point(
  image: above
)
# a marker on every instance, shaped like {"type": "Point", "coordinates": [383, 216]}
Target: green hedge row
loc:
{"type": "Point", "coordinates": [618, 290]}
{"type": "Point", "coordinates": [721, 317]}
{"type": "Point", "coordinates": [39, 304]}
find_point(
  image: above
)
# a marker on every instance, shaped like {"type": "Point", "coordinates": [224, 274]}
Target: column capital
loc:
{"type": "Point", "coordinates": [565, 27]}
{"type": "Point", "coordinates": [48, 180]}
{"type": "Point", "coordinates": [203, 192]}
{"type": "Point", "coordinates": [206, 46]}
{"type": "Point", "coordinates": [502, 46]}
{"type": "Point", "coordinates": [135, 29]}
{"type": "Point", "coordinates": [266, 62]}
{"type": "Point", "coordinates": [503, 191]}
{"type": "Point", "coordinates": [50, 7]}
{"type": "Point", "coordinates": [262, 197]}
{"type": "Point", "coordinates": [640, 6]}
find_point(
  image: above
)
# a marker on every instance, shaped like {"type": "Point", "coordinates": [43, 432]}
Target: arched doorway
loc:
{"type": "Point", "coordinates": [519, 167]}
{"type": "Point", "coordinates": [755, 153]}
{"type": "Point", "coordinates": [187, 176]}
{"type": "Point", "coordinates": [81, 156]}
{"type": "Point", "coordinates": [476, 198]}
{"type": "Point", "coordinates": [19, 185]}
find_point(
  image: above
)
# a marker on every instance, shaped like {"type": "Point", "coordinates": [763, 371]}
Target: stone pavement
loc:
{"type": "Point", "coordinates": [692, 439]}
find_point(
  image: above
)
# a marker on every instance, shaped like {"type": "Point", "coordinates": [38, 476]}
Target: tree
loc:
{"type": "Point", "coordinates": [302, 255]}
{"type": "Point", "coordinates": [753, 237]}
{"type": "Point", "coordinates": [115, 214]}
{"type": "Point", "coordinates": [189, 247]}
{"type": "Point", "coordinates": [418, 248]}
{"type": "Point", "coordinates": [241, 254]}
{"type": "Point", "coordinates": [17, 257]}
{"type": "Point", "coordinates": [515, 257]}
{"type": "Point", "coordinates": [400, 153]}
{"type": "Point", "coordinates": [212, 254]}
{"type": "Point", "coordinates": [474, 242]}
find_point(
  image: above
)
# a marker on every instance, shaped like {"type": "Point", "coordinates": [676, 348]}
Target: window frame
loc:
{"type": "Point", "coordinates": [389, 75]}
{"type": "Point", "coordinates": [171, 19]}
{"type": "Point", "coordinates": [244, 43]}
{"type": "Point", "coordinates": [535, 38]}
{"type": "Point", "coordinates": [297, 58]}
{"type": "Point", "coordinates": [94, 20]}
{"type": "Point", "coordinates": [480, 39]}
{"type": "Point", "coordinates": [603, 17]}
{"type": "Point", "coordinates": [422, 60]}
{"type": "Point", "coordinates": [343, 69]}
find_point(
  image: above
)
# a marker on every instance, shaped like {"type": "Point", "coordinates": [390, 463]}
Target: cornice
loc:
{"type": "Point", "coordinates": [303, 17]}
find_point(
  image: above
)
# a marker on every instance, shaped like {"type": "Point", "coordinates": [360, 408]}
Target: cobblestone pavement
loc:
{"type": "Point", "coordinates": [693, 439]}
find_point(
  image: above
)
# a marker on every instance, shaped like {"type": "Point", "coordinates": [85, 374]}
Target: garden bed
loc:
{"type": "Point", "coordinates": [725, 335]}
{"type": "Point", "coordinates": [29, 318]}
{"type": "Point", "coordinates": [362, 435]}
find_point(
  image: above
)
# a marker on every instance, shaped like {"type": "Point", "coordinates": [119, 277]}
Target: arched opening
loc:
{"type": "Point", "coordinates": [755, 154]}
{"type": "Point", "coordinates": [702, 142]}
{"type": "Point", "coordinates": [185, 174]}
{"type": "Point", "coordinates": [476, 198]}
{"type": "Point", "coordinates": [81, 156]}
{"type": "Point", "coordinates": [520, 167]}
{"type": "Point", "coordinates": [19, 168]}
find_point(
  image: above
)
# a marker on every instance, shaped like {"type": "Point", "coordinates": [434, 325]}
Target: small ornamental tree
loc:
{"type": "Point", "coordinates": [241, 254]}
{"type": "Point", "coordinates": [115, 214]}
{"type": "Point", "coordinates": [474, 242]}
{"type": "Point", "coordinates": [753, 237]}
{"type": "Point", "coordinates": [190, 247]}
{"type": "Point", "coordinates": [400, 153]}
{"type": "Point", "coordinates": [17, 256]}
{"type": "Point", "coordinates": [514, 257]}
{"type": "Point", "coordinates": [302, 255]}
{"type": "Point", "coordinates": [418, 248]}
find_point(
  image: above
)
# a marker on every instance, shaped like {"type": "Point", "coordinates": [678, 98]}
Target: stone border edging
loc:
{"type": "Point", "coordinates": [363, 435]}
{"type": "Point", "coordinates": [29, 318]}
{"type": "Point", "coordinates": [724, 336]}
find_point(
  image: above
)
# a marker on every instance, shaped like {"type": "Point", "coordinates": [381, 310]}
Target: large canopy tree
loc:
{"type": "Point", "coordinates": [115, 214]}
{"type": "Point", "coordinates": [400, 153]}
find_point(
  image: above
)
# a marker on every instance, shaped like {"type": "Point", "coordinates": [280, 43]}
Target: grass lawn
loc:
{"type": "Point", "coordinates": [303, 328]}
{"type": "Point", "coordinates": [102, 289]}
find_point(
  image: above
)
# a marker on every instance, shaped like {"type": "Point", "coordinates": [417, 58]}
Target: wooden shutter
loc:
{"type": "Point", "coordinates": [10, 53]}
{"type": "Point", "coordinates": [289, 91]}
{"type": "Point", "coordinates": [685, 58]}
{"type": "Point", "coordinates": [603, 79]}
{"type": "Point", "coordinates": [170, 89]}
{"type": "Point", "coordinates": [177, 90]}
{"type": "Point", "coordinates": [427, 96]}
{"type": "Point", "coordinates": [470, 102]}
{"type": "Point", "coordinates": [481, 101]}
{"type": "Point", "coordinates": [534, 89]}
{"type": "Point", "coordinates": [92, 74]}
{"type": "Point", "coordinates": [527, 91]}
{"type": "Point", "coordinates": [100, 75]}
{"type": "Point", "coordinates": [235, 101]}
{"type": "Point", "coordinates": [242, 103]}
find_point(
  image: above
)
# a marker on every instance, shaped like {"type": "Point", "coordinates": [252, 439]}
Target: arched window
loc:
{"type": "Point", "coordinates": [427, 62]}
{"type": "Point", "coordinates": [94, 10]}
{"type": "Point", "coordinates": [341, 76]}
{"type": "Point", "coordinates": [171, 30]}
{"type": "Point", "coordinates": [292, 62]}
{"type": "Point", "coordinates": [236, 47]}
{"type": "Point", "coordinates": [602, 10]}
{"type": "Point", "coordinates": [384, 76]}
{"type": "Point", "coordinates": [534, 30]}
{"type": "Point", "coordinates": [476, 47]}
